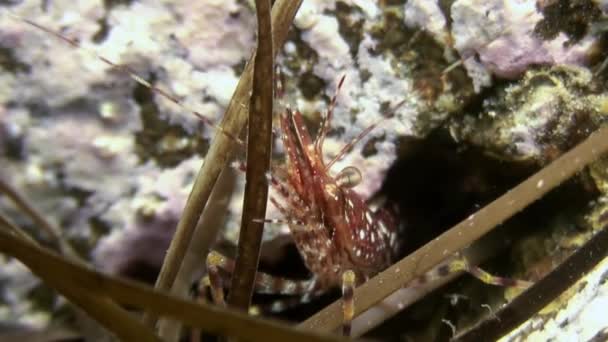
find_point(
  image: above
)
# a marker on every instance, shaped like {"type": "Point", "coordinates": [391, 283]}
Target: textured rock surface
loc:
{"type": "Point", "coordinates": [543, 115]}
{"type": "Point", "coordinates": [577, 314]}
{"type": "Point", "coordinates": [112, 163]}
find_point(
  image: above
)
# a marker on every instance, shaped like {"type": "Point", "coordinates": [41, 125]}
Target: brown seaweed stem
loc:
{"type": "Point", "coordinates": [13, 229]}
{"type": "Point", "coordinates": [259, 145]}
{"type": "Point", "coordinates": [115, 319]}
{"type": "Point", "coordinates": [100, 309]}
{"type": "Point", "coordinates": [465, 232]}
{"type": "Point", "coordinates": [53, 333]}
{"type": "Point", "coordinates": [204, 236]}
{"type": "Point", "coordinates": [220, 152]}
{"type": "Point", "coordinates": [542, 292]}
{"type": "Point", "coordinates": [79, 282]}
{"type": "Point", "coordinates": [401, 299]}
{"type": "Point", "coordinates": [53, 232]}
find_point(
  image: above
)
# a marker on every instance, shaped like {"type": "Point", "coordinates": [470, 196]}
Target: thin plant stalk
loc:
{"type": "Point", "coordinates": [27, 208]}
{"type": "Point", "coordinates": [204, 235]}
{"type": "Point", "coordinates": [112, 317]}
{"type": "Point", "coordinates": [401, 299]}
{"type": "Point", "coordinates": [55, 270]}
{"type": "Point", "coordinates": [259, 143]}
{"type": "Point", "coordinates": [100, 309]}
{"type": "Point", "coordinates": [541, 293]}
{"type": "Point", "coordinates": [220, 152]}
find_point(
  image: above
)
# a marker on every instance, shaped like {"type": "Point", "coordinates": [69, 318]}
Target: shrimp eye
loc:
{"type": "Point", "coordinates": [349, 177]}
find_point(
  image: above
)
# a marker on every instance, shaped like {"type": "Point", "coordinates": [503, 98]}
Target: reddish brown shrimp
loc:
{"type": "Point", "coordinates": [334, 228]}
{"type": "Point", "coordinates": [338, 230]}
{"type": "Point", "coordinates": [341, 239]}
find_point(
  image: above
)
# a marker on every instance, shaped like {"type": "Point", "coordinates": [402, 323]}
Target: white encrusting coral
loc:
{"type": "Point", "coordinates": [496, 37]}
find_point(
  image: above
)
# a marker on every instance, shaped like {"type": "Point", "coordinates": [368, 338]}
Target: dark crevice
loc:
{"type": "Point", "coordinates": [10, 63]}
{"type": "Point", "coordinates": [351, 31]}
{"type": "Point", "coordinates": [311, 85]}
{"type": "Point", "coordinates": [572, 17]}
{"type": "Point", "coordinates": [168, 144]}
{"type": "Point", "coordinates": [102, 33]}
{"type": "Point", "coordinates": [437, 183]}
{"type": "Point", "coordinates": [104, 26]}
